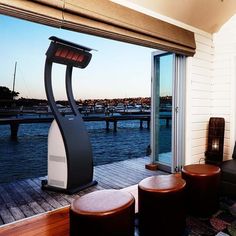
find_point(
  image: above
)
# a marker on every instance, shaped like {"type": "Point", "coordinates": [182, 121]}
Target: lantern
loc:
{"type": "Point", "coordinates": [215, 147]}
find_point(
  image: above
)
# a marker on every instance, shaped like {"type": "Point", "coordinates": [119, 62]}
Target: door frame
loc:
{"type": "Point", "coordinates": [178, 112]}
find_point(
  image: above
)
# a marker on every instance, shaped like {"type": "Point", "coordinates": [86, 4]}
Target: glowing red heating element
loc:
{"type": "Point", "coordinates": [70, 55]}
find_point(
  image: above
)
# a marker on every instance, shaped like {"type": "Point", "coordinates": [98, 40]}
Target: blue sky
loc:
{"type": "Point", "coordinates": [116, 69]}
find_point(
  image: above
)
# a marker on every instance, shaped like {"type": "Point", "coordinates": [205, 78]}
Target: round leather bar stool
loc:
{"type": "Point", "coordinates": [161, 205]}
{"type": "Point", "coordinates": [104, 212]}
{"type": "Point", "coordinates": [202, 186]}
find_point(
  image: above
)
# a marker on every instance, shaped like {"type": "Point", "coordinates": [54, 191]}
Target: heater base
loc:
{"type": "Point", "coordinates": [45, 186]}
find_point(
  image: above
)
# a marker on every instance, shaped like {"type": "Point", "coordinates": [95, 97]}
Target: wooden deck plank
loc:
{"type": "Point", "coordinates": [133, 175]}
{"type": "Point", "coordinates": [10, 206]}
{"type": "Point", "coordinates": [46, 195]}
{"type": "Point", "coordinates": [55, 204]}
{"type": "Point", "coordinates": [58, 197]}
{"type": "Point", "coordinates": [16, 213]}
{"type": "Point", "coordinates": [114, 181]}
{"type": "Point", "coordinates": [69, 198]}
{"type": "Point", "coordinates": [103, 183]}
{"type": "Point", "coordinates": [111, 180]}
{"type": "Point", "coordinates": [125, 172]}
{"type": "Point", "coordinates": [26, 209]}
{"type": "Point", "coordinates": [1, 200]}
{"type": "Point", "coordinates": [6, 215]}
{"type": "Point", "coordinates": [119, 168]}
{"type": "Point", "coordinates": [26, 198]}
{"type": "Point", "coordinates": [13, 192]}
{"type": "Point", "coordinates": [22, 192]}
{"type": "Point", "coordinates": [42, 202]}
{"type": "Point", "coordinates": [9, 202]}
{"type": "Point", "coordinates": [31, 207]}
{"type": "Point", "coordinates": [118, 179]}
{"type": "Point", "coordinates": [26, 193]}
{"type": "Point", "coordinates": [42, 205]}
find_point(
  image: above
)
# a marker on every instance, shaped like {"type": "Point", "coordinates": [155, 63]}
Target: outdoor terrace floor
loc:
{"type": "Point", "coordinates": [25, 198]}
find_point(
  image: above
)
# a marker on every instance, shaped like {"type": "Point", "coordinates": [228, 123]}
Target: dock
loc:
{"type": "Point", "coordinates": [25, 198]}
{"type": "Point", "coordinates": [15, 122]}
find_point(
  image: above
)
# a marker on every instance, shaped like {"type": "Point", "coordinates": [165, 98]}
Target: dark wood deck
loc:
{"type": "Point", "coordinates": [25, 198]}
{"type": "Point", "coordinates": [53, 223]}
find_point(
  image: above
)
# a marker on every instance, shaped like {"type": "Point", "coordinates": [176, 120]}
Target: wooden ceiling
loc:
{"type": "Point", "coordinates": [207, 15]}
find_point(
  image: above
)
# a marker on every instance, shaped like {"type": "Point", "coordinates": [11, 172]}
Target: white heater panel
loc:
{"type": "Point", "coordinates": [57, 162]}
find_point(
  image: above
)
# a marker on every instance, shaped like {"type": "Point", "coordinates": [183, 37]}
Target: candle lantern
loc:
{"type": "Point", "coordinates": [215, 147]}
{"type": "Point", "coordinates": [215, 144]}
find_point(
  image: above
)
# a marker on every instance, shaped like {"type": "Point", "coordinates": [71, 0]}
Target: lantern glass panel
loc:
{"type": "Point", "coordinates": [215, 144]}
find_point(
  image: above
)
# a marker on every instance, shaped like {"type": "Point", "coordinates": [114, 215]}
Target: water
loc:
{"type": "Point", "coordinates": [27, 157]}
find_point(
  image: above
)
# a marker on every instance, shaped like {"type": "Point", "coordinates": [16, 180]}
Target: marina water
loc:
{"type": "Point", "coordinates": [27, 157]}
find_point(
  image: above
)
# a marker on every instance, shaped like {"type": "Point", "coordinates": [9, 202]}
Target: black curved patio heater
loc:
{"type": "Point", "coordinates": [70, 161]}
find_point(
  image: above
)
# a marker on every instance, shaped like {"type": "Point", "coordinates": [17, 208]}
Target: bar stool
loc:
{"type": "Point", "coordinates": [202, 187]}
{"type": "Point", "coordinates": [161, 205]}
{"type": "Point", "coordinates": [104, 212]}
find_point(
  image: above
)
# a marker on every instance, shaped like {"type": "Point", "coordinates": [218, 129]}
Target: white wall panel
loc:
{"type": "Point", "coordinates": [198, 94]}
{"type": "Point", "coordinates": [200, 86]}
{"type": "Point", "coordinates": [200, 79]}
{"type": "Point", "coordinates": [199, 142]}
{"type": "Point", "coordinates": [200, 97]}
{"type": "Point", "coordinates": [224, 81]}
{"type": "Point", "coordinates": [199, 126]}
{"type": "Point", "coordinates": [201, 102]}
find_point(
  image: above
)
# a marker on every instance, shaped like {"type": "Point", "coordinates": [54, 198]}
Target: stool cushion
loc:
{"type": "Point", "coordinates": [162, 184]}
{"type": "Point", "coordinates": [201, 170]}
{"type": "Point", "coordinates": [102, 202]}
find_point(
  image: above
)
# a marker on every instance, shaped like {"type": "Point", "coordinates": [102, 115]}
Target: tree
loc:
{"type": "Point", "coordinates": [7, 94]}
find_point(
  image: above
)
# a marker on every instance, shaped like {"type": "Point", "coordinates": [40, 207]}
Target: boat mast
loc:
{"type": "Point", "coordinates": [14, 80]}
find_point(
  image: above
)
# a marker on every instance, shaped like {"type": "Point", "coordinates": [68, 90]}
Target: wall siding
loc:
{"type": "Point", "coordinates": [199, 97]}
{"type": "Point", "coordinates": [211, 90]}
{"type": "Point", "coordinates": [224, 81]}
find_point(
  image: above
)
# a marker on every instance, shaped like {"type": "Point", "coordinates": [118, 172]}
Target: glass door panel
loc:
{"type": "Point", "coordinates": [162, 91]}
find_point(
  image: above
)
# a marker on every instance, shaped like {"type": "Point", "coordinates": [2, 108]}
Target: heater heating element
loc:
{"type": "Point", "coordinates": [67, 53]}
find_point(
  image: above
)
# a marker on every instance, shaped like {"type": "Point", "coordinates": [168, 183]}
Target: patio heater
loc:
{"type": "Point", "coordinates": [215, 146]}
{"type": "Point", "coordinates": [70, 161]}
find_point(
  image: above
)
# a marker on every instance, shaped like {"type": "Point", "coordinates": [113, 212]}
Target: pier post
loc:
{"type": "Point", "coordinates": [115, 125]}
{"type": "Point", "coordinates": [141, 124]}
{"type": "Point", "coordinates": [107, 125]}
{"type": "Point", "coordinates": [14, 130]}
{"type": "Point", "coordinates": [167, 122]}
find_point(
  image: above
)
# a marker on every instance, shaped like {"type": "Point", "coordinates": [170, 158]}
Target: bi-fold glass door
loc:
{"type": "Point", "coordinates": [168, 99]}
